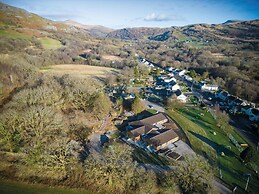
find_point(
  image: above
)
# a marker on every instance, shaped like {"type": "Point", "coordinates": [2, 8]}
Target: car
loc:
{"type": "Point", "coordinates": [150, 106]}
{"type": "Point", "coordinates": [210, 98]}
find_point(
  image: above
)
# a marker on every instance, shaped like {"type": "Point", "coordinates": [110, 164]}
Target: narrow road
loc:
{"type": "Point", "coordinates": [155, 106]}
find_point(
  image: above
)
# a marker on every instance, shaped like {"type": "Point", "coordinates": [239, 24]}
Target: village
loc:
{"type": "Point", "coordinates": [166, 85]}
{"type": "Point", "coordinates": [157, 132]}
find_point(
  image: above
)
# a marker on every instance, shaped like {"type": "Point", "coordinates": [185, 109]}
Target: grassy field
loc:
{"type": "Point", "coordinates": [79, 70]}
{"type": "Point", "coordinates": [13, 34]}
{"type": "Point", "coordinates": [199, 130]}
{"type": "Point", "coordinates": [11, 187]}
{"type": "Point", "coordinates": [112, 58]}
{"type": "Point", "coordinates": [49, 43]}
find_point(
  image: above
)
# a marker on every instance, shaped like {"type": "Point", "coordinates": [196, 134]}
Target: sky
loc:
{"type": "Point", "coordinates": [141, 13]}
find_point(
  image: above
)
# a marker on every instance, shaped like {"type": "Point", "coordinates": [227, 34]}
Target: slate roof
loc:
{"type": "Point", "coordinates": [162, 138]}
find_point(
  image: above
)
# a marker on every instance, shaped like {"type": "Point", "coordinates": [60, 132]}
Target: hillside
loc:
{"type": "Point", "coordinates": [97, 30]}
{"type": "Point", "coordinates": [12, 18]}
{"type": "Point", "coordinates": [230, 30]}
{"type": "Point", "coordinates": [136, 33]}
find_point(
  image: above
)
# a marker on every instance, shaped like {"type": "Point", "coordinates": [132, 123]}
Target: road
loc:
{"type": "Point", "coordinates": [155, 106]}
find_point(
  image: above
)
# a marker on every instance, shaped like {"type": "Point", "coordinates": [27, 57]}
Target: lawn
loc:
{"type": "Point", "coordinates": [12, 187]}
{"type": "Point", "coordinates": [49, 43]}
{"type": "Point", "coordinates": [199, 126]}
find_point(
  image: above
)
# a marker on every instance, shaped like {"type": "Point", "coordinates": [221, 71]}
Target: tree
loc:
{"type": "Point", "coordinates": [114, 171]}
{"type": "Point", "coordinates": [247, 154]}
{"type": "Point", "coordinates": [222, 119]}
{"type": "Point", "coordinates": [99, 104]}
{"type": "Point", "coordinates": [119, 104]}
{"type": "Point", "coordinates": [195, 175]}
{"type": "Point", "coordinates": [111, 79]}
{"type": "Point", "coordinates": [174, 103]}
{"type": "Point", "coordinates": [137, 105]}
{"type": "Point", "coordinates": [193, 73]}
{"type": "Point", "coordinates": [205, 75]}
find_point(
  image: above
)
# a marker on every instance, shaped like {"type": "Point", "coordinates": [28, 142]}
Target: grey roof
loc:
{"type": "Point", "coordinates": [162, 138]}
{"type": "Point", "coordinates": [149, 120]}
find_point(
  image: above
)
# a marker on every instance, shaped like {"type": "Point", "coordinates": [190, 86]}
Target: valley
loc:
{"type": "Point", "coordinates": [89, 108]}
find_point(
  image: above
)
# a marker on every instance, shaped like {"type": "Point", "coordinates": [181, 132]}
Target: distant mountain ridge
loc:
{"type": "Point", "coordinates": [93, 29]}
{"type": "Point", "coordinates": [231, 29]}
{"type": "Point", "coordinates": [17, 17]}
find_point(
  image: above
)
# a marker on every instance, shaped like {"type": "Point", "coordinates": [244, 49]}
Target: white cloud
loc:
{"type": "Point", "coordinates": [162, 17]}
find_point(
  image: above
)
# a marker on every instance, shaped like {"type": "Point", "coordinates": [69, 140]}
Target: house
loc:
{"type": "Point", "coordinates": [170, 69]}
{"type": "Point", "coordinates": [154, 130]}
{"type": "Point", "coordinates": [253, 114]}
{"type": "Point", "coordinates": [209, 87]}
{"type": "Point", "coordinates": [136, 132]}
{"type": "Point", "coordinates": [170, 74]}
{"type": "Point", "coordinates": [182, 73]}
{"type": "Point", "coordinates": [163, 139]}
{"type": "Point", "coordinates": [159, 118]}
{"type": "Point", "coordinates": [188, 78]}
{"type": "Point", "coordinates": [129, 96]}
{"type": "Point", "coordinates": [175, 87]}
{"type": "Point", "coordinates": [180, 96]}
{"type": "Point", "coordinates": [169, 79]}
{"type": "Point", "coordinates": [222, 95]}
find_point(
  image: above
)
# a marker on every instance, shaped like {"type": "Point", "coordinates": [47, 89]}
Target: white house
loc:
{"type": "Point", "coordinates": [169, 79]}
{"type": "Point", "coordinates": [209, 87]}
{"type": "Point", "coordinates": [175, 87]}
{"type": "Point", "coordinates": [169, 68]}
{"type": "Point", "coordinates": [182, 73]}
{"type": "Point", "coordinates": [188, 78]}
{"type": "Point", "coordinates": [181, 96]}
{"type": "Point", "coordinates": [170, 74]}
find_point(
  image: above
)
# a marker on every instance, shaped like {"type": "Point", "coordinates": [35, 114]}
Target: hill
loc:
{"type": "Point", "coordinates": [230, 30]}
{"type": "Point", "coordinates": [12, 17]}
{"type": "Point", "coordinates": [136, 33]}
{"type": "Point", "coordinates": [97, 30]}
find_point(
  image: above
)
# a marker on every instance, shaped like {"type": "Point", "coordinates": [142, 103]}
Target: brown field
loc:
{"type": "Point", "coordinates": [112, 58]}
{"type": "Point", "coordinates": [218, 55]}
{"type": "Point", "coordinates": [79, 70]}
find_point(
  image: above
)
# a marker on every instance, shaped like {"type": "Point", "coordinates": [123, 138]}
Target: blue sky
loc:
{"type": "Point", "coordinates": [142, 13]}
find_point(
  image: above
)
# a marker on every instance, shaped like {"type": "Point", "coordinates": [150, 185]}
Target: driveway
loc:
{"type": "Point", "coordinates": [155, 106]}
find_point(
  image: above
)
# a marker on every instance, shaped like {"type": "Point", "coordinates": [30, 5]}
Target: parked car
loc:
{"type": "Point", "coordinates": [150, 106]}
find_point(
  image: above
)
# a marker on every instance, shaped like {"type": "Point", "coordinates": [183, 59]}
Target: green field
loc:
{"type": "Point", "coordinates": [199, 130]}
{"type": "Point", "coordinates": [49, 43]}
{"type": "Point", "coordinates": [11, 187]}
{"type": "Point", "coordinates": [12, 34]}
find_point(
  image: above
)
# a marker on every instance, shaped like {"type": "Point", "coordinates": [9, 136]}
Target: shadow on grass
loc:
{"type": "Point", "coordinates": [144, 157]}
{"type": "Point", "coordinates": [199, 120]}
{"type": "Point", "coordinates": [217, 147]}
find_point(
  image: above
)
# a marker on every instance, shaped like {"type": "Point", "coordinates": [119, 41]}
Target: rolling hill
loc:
{"type": "Point", "coordinates": [230, 30]}
{"type": "Point", "coordinates": [12, 18]}
{"type": "Point", "coordinates": [97, 30]}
